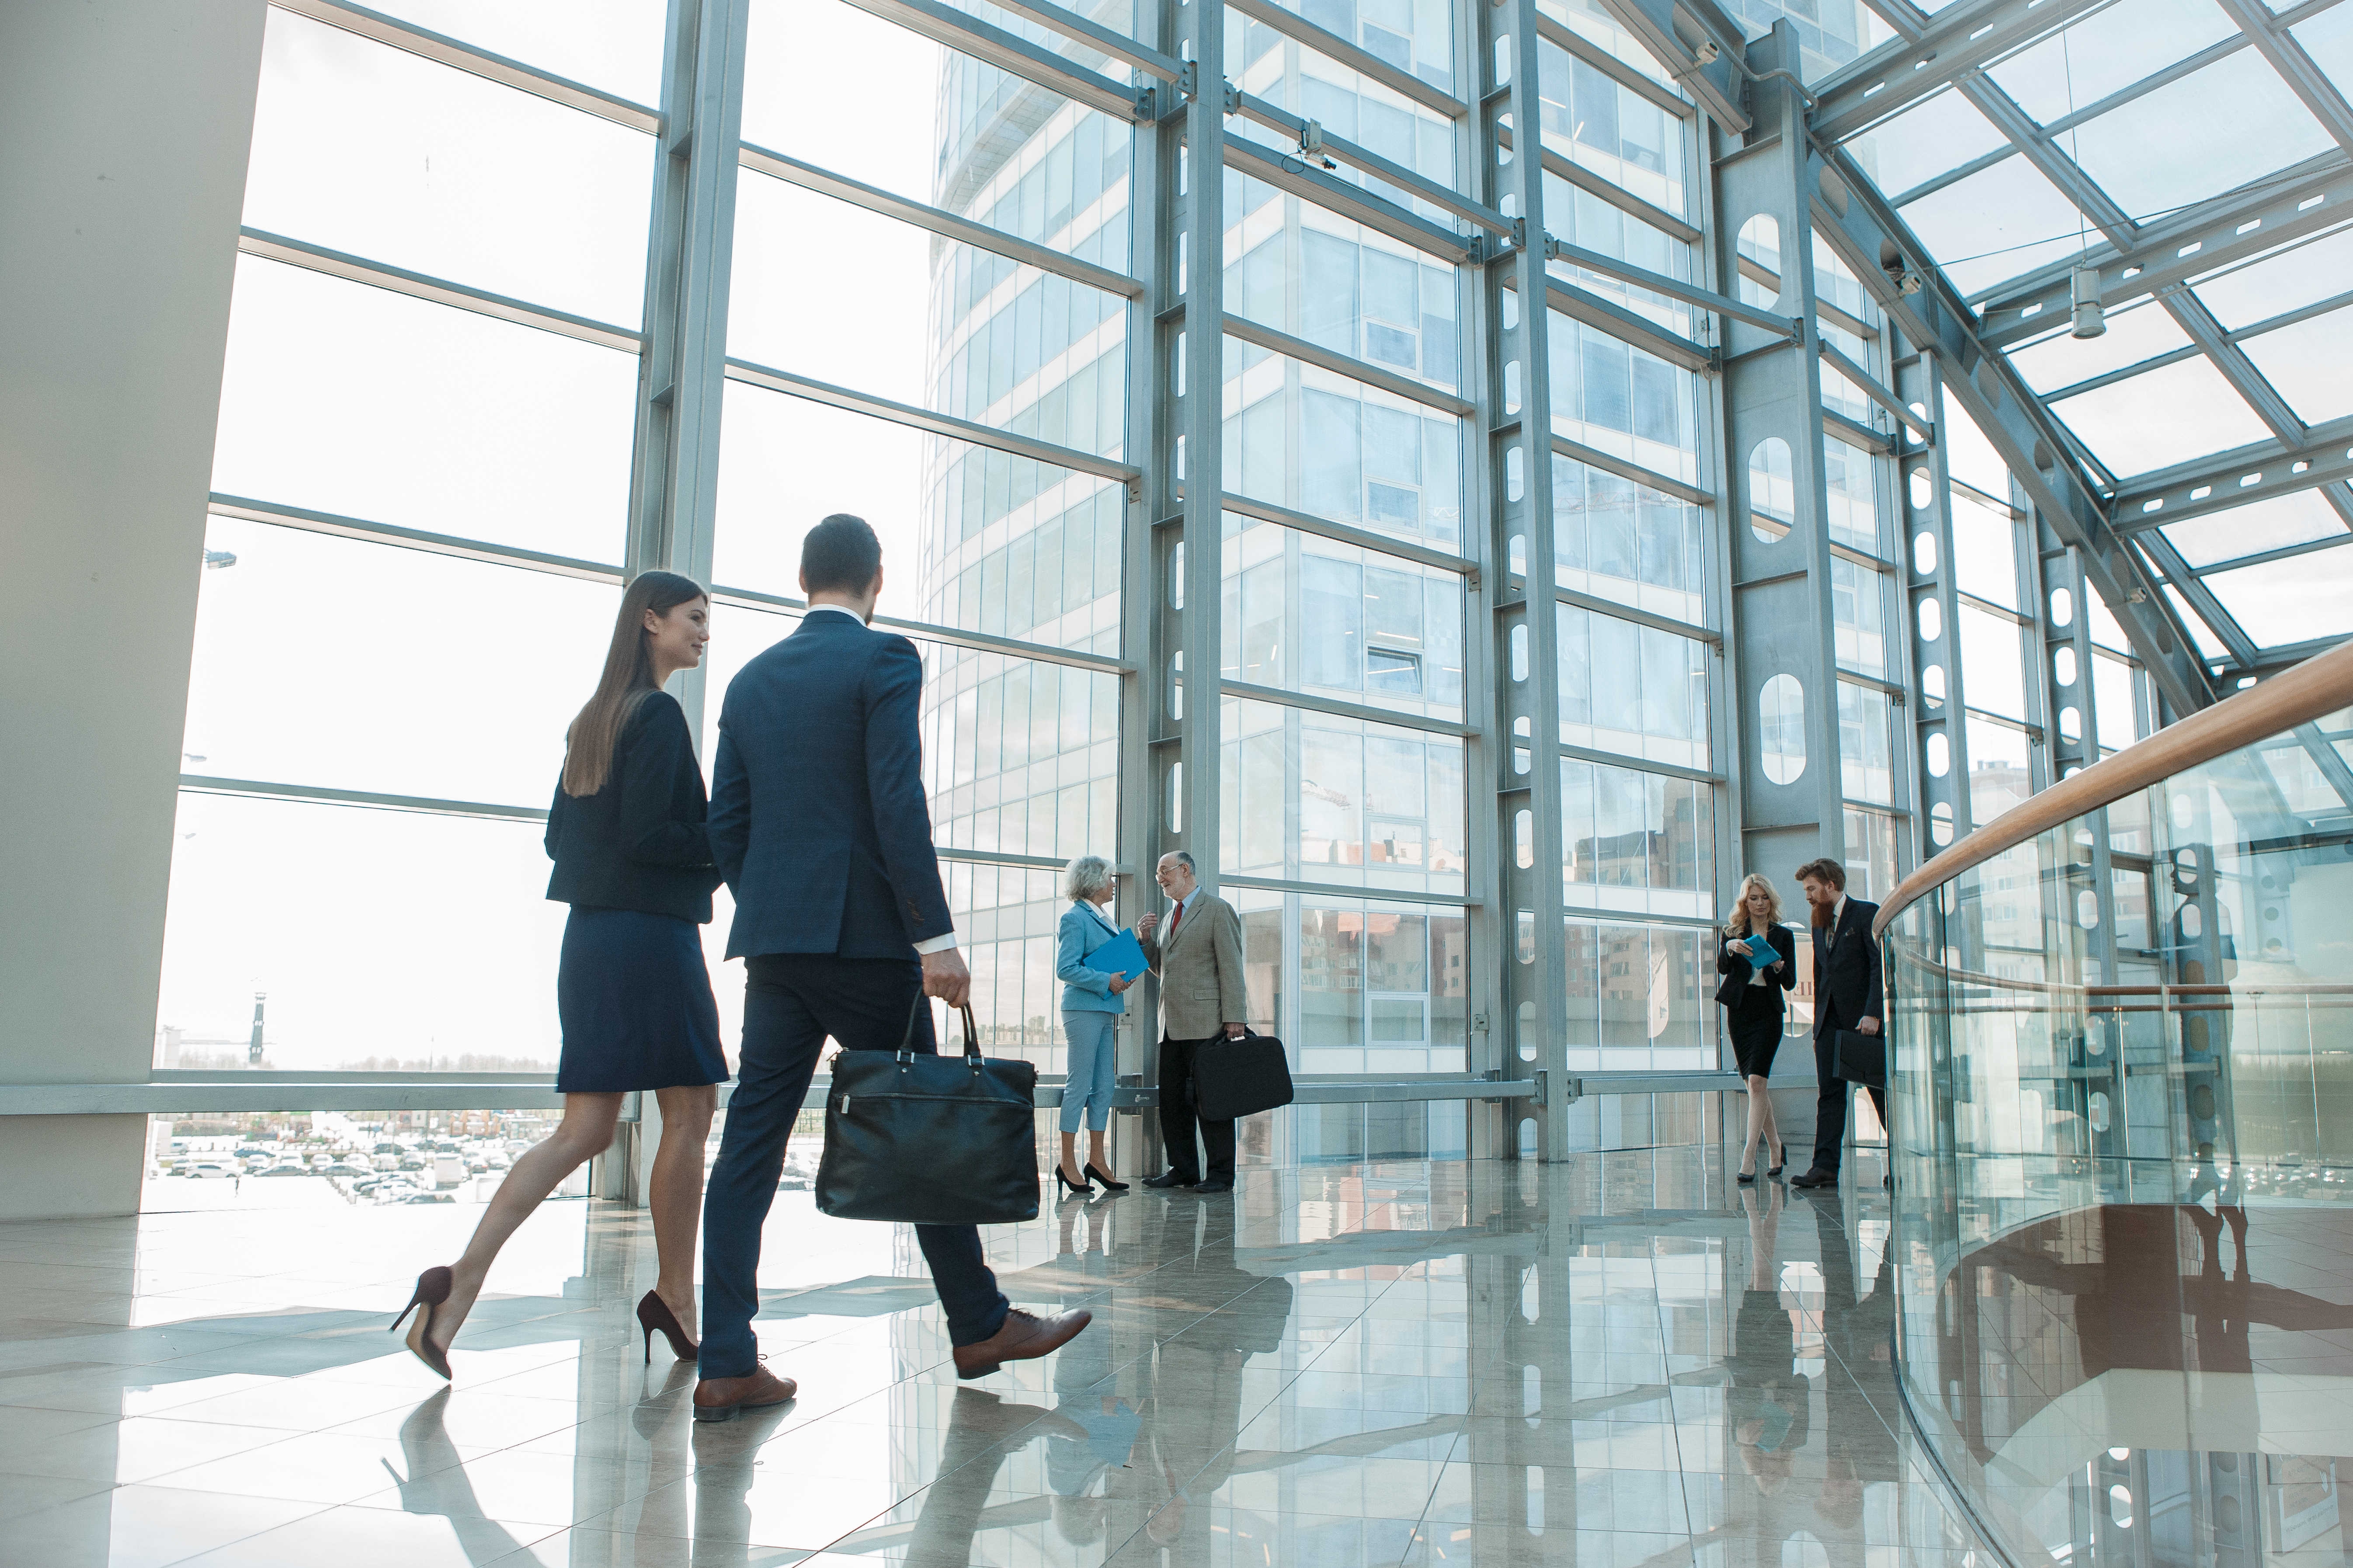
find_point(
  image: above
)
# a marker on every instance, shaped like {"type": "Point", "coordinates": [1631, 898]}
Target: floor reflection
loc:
{"type": "Point", "coordinates": [2165, 1383]}
{"type": "Point", "coordinates": [1624, 1358]}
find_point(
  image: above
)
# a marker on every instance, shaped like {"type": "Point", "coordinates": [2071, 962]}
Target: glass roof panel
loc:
{"type": "Point", "coordinates": [2107, 52]}
{"type": "Point", "coordinates": [2328, 39]}
{"type": "Point", "coordinates": [2300, 275]}
{"type": "Point", "coordinates": [2310, 364]}
{"type": "Point", "coordinates": [1923, 142]}
{"type": "Point", "coordinates": [1995, 225]}
{"type": "Point", "coordinates": [2161, 417]}
{"type": "Point", "coordinates": [2212, 131]}
{"type": "Point", "coordinates": [2134, 333]}
{"type": "Point", "coordinates": [2296, 519]}
{"type": "Point", "coordinates": [2209, 647]}
{"type": "Point", "coordinates": [2290, 600]}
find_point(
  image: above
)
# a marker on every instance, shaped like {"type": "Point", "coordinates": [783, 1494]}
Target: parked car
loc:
{"type": "Point", "coordinates": [341, 1169]}
{"type": "Point", "coordinates": [208, 1170]}
{"type": "Point", "coordinates": [387, 1148]}
{"type": "Point", "coordinates": [419, 1195]}
{"type": "Point", "coordinates": [285, 1168]}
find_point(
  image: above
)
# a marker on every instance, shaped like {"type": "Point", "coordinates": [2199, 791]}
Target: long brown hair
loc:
{"type": "Point", "coordinates": [627, 680]}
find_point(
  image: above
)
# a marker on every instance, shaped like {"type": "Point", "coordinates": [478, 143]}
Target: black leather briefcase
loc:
{"type": "Point", "coordinates": [930, 1140]}
{"type": "Point", "coordinates": [1862, 1058]}
{"type": "Point", "coordinates": [1241, 1078]}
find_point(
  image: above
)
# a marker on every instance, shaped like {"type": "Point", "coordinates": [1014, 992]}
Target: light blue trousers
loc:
{"type": "Point", "coordinates": [1091, 1060]}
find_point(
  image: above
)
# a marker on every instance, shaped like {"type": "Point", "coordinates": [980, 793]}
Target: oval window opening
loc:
{"type": "Point", "coordinates": [2062, 606]}
{"type": "Point", "coordinates": [2063, 667]}
{"type": "Point", "coordinates": [1923, 554]}
{"type": "Point", "coordinates": [1923, 492]}
{"type": "Point", "coordinates": [2071, 724]}
{"type": "Point", "coordinates": [1932, 620]}
{"type": "Point", "coordinates": [1940, 757]}
{"type": "Point", "coordinates": [1761, 262]}
{"type": "Point", "coordinates": [1772, 489]}
{"type": "Point", "coordinates": [1781, 728]}
{"type": "Point", "coordinates": [1932, 686]}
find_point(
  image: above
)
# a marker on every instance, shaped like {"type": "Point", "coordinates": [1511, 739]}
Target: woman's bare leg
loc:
{"type": "Point", "coordinates": [1769, 1127]}
{"type": "Point", "coordinates": [1756, 1111]}
{"type": "Point", "coordinates": [1098, 1150]}
{"type": "Point", "coordinates": [1071, 1159]}
{"type": "Point", "coordinates": [586, 1130]}
{"type": "Point", "coordinates": [675, 1194]}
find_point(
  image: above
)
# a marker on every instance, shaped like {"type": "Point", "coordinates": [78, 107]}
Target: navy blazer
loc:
{"type": "Point", "coordinates": [818, 816]}
{"type": "Point", "coordinates": [1846, 972]}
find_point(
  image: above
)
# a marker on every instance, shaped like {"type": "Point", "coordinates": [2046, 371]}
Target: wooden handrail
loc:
{"type": "Point", "coordinates": [2321, 684]}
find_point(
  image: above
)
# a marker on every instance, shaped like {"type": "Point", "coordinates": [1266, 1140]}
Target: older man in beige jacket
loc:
{"type": "Point", "coordinates": [1199, 961]}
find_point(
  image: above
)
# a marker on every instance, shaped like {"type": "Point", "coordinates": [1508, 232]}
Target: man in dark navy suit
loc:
{"type": "Point", "coordinates": [819, 826]}
{"type": "Point", "coordinates": [1846, 996]}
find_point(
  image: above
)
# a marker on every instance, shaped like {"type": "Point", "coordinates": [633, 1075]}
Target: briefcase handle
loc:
{"type": "Point", "coordinates": [971, 1033]}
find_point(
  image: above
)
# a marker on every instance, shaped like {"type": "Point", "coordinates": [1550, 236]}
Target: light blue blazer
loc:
{"type": "Point", "coordinates": [1084, 990]}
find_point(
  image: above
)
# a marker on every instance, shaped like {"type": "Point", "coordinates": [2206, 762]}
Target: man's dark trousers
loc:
{"type": "Point", "coordinates": [1177, 1120]}
{"type": "Point", "coordinates": [792, 1002]}
{"type": "Point", "coordinates": [1829, 1108]}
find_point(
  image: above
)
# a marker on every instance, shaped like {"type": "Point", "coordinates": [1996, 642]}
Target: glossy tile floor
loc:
{"type": "Point", "coordinates": [1624, 1360]}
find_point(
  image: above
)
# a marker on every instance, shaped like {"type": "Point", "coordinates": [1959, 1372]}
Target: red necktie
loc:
{"type": "Point", "coordinates": [1177, 915]}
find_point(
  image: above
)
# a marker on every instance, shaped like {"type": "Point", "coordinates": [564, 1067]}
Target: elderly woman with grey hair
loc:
{"type": "Point", "coordinates": [1091, 1006]}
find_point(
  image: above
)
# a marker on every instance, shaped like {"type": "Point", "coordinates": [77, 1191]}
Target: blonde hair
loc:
{"type": "Point", "coordinates": [1738, 923]}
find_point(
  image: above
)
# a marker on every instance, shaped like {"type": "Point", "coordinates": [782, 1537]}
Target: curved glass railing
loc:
{"type": "Point", "coordinates": [2123, 1027]}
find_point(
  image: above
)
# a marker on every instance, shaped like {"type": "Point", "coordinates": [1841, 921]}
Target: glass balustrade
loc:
{"type": "Point", "coordinates": [2123, 1073]}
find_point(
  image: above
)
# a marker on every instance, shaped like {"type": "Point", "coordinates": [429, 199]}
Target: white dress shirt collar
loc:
{"type": "Point", "coordinates": [833, 610]}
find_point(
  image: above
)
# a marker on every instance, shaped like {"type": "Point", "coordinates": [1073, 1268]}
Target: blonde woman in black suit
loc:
{"type": "Point", "coordinates": [1751, 996]}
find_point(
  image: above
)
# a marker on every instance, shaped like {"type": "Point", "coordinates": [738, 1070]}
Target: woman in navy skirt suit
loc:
{"type": "Point", "coordinates": [633, 860]}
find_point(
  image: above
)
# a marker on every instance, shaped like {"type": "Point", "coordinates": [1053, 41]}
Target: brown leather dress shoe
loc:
{"type": "Point", "coordinates": [1024, 1337]}
{"type": "Point", "coordinates": [723, 1399]}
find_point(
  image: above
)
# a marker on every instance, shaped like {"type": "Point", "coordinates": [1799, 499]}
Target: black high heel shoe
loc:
{"type": "Point", "coordinates": [1781, 1163]}
{"type": "Point", "coordinates": [655, 1317]}
{"type": "Point", "coordinates": [1745, 1178]}
{"type": "Point", "coordinates": [432, 1290]}
{"type": "Point", "coordinates": [1063, 1183]}
{"type": "Point", "coordinates": [1094, 1176]}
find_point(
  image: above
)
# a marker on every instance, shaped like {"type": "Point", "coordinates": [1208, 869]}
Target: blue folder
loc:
{"type": "Point", "coordinates": [1122, 954]}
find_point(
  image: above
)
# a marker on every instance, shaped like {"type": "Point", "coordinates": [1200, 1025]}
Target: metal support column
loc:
{"type": "Point", "coordinates": [1932, 601]}
{"type": "Point", "coordinates": [1198, 266]}
{"type": "Point", "coordinates": [1526, 720]}
{"type": "Point", "coordinates": [691, 246]}
{"type": "Point", "coordinates": [1148, 721]}
{"type": "Point", "coordinates": [674, 470]}
{"type": "Point", "coordinates": [1781, 611]}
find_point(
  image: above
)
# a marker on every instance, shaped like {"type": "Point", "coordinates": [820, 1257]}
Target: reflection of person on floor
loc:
{"type": "Point", "coordinates": [1770, 1406]}
{"type": "Point", "coordinates": [1091, 1471]}
{"type": "Point", "coordinates": [982, 1430]}
{"type": "Point", "coordinates": [1197, 1378]}
{"type": "Point", "coordinates": [1855, 1331]}
{"type": "Point", "coordinates": [437, 1483]}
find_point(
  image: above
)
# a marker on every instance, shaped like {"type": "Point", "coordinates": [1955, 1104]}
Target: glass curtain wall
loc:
{"type": "Point", "coordinates": [935, 321]}
{"type": "Point", "coordinates": [412, 561]}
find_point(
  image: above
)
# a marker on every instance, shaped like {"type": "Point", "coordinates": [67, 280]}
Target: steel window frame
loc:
{"type": "Point", "coordinates": [1184, 116]}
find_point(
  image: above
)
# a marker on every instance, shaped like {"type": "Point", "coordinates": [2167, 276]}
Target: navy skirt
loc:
{"type": "Point", "coordinates": [635, 1001]}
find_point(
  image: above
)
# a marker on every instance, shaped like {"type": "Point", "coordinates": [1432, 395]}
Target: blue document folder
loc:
{"type": "Point", "coordinates": [1121, 956]}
